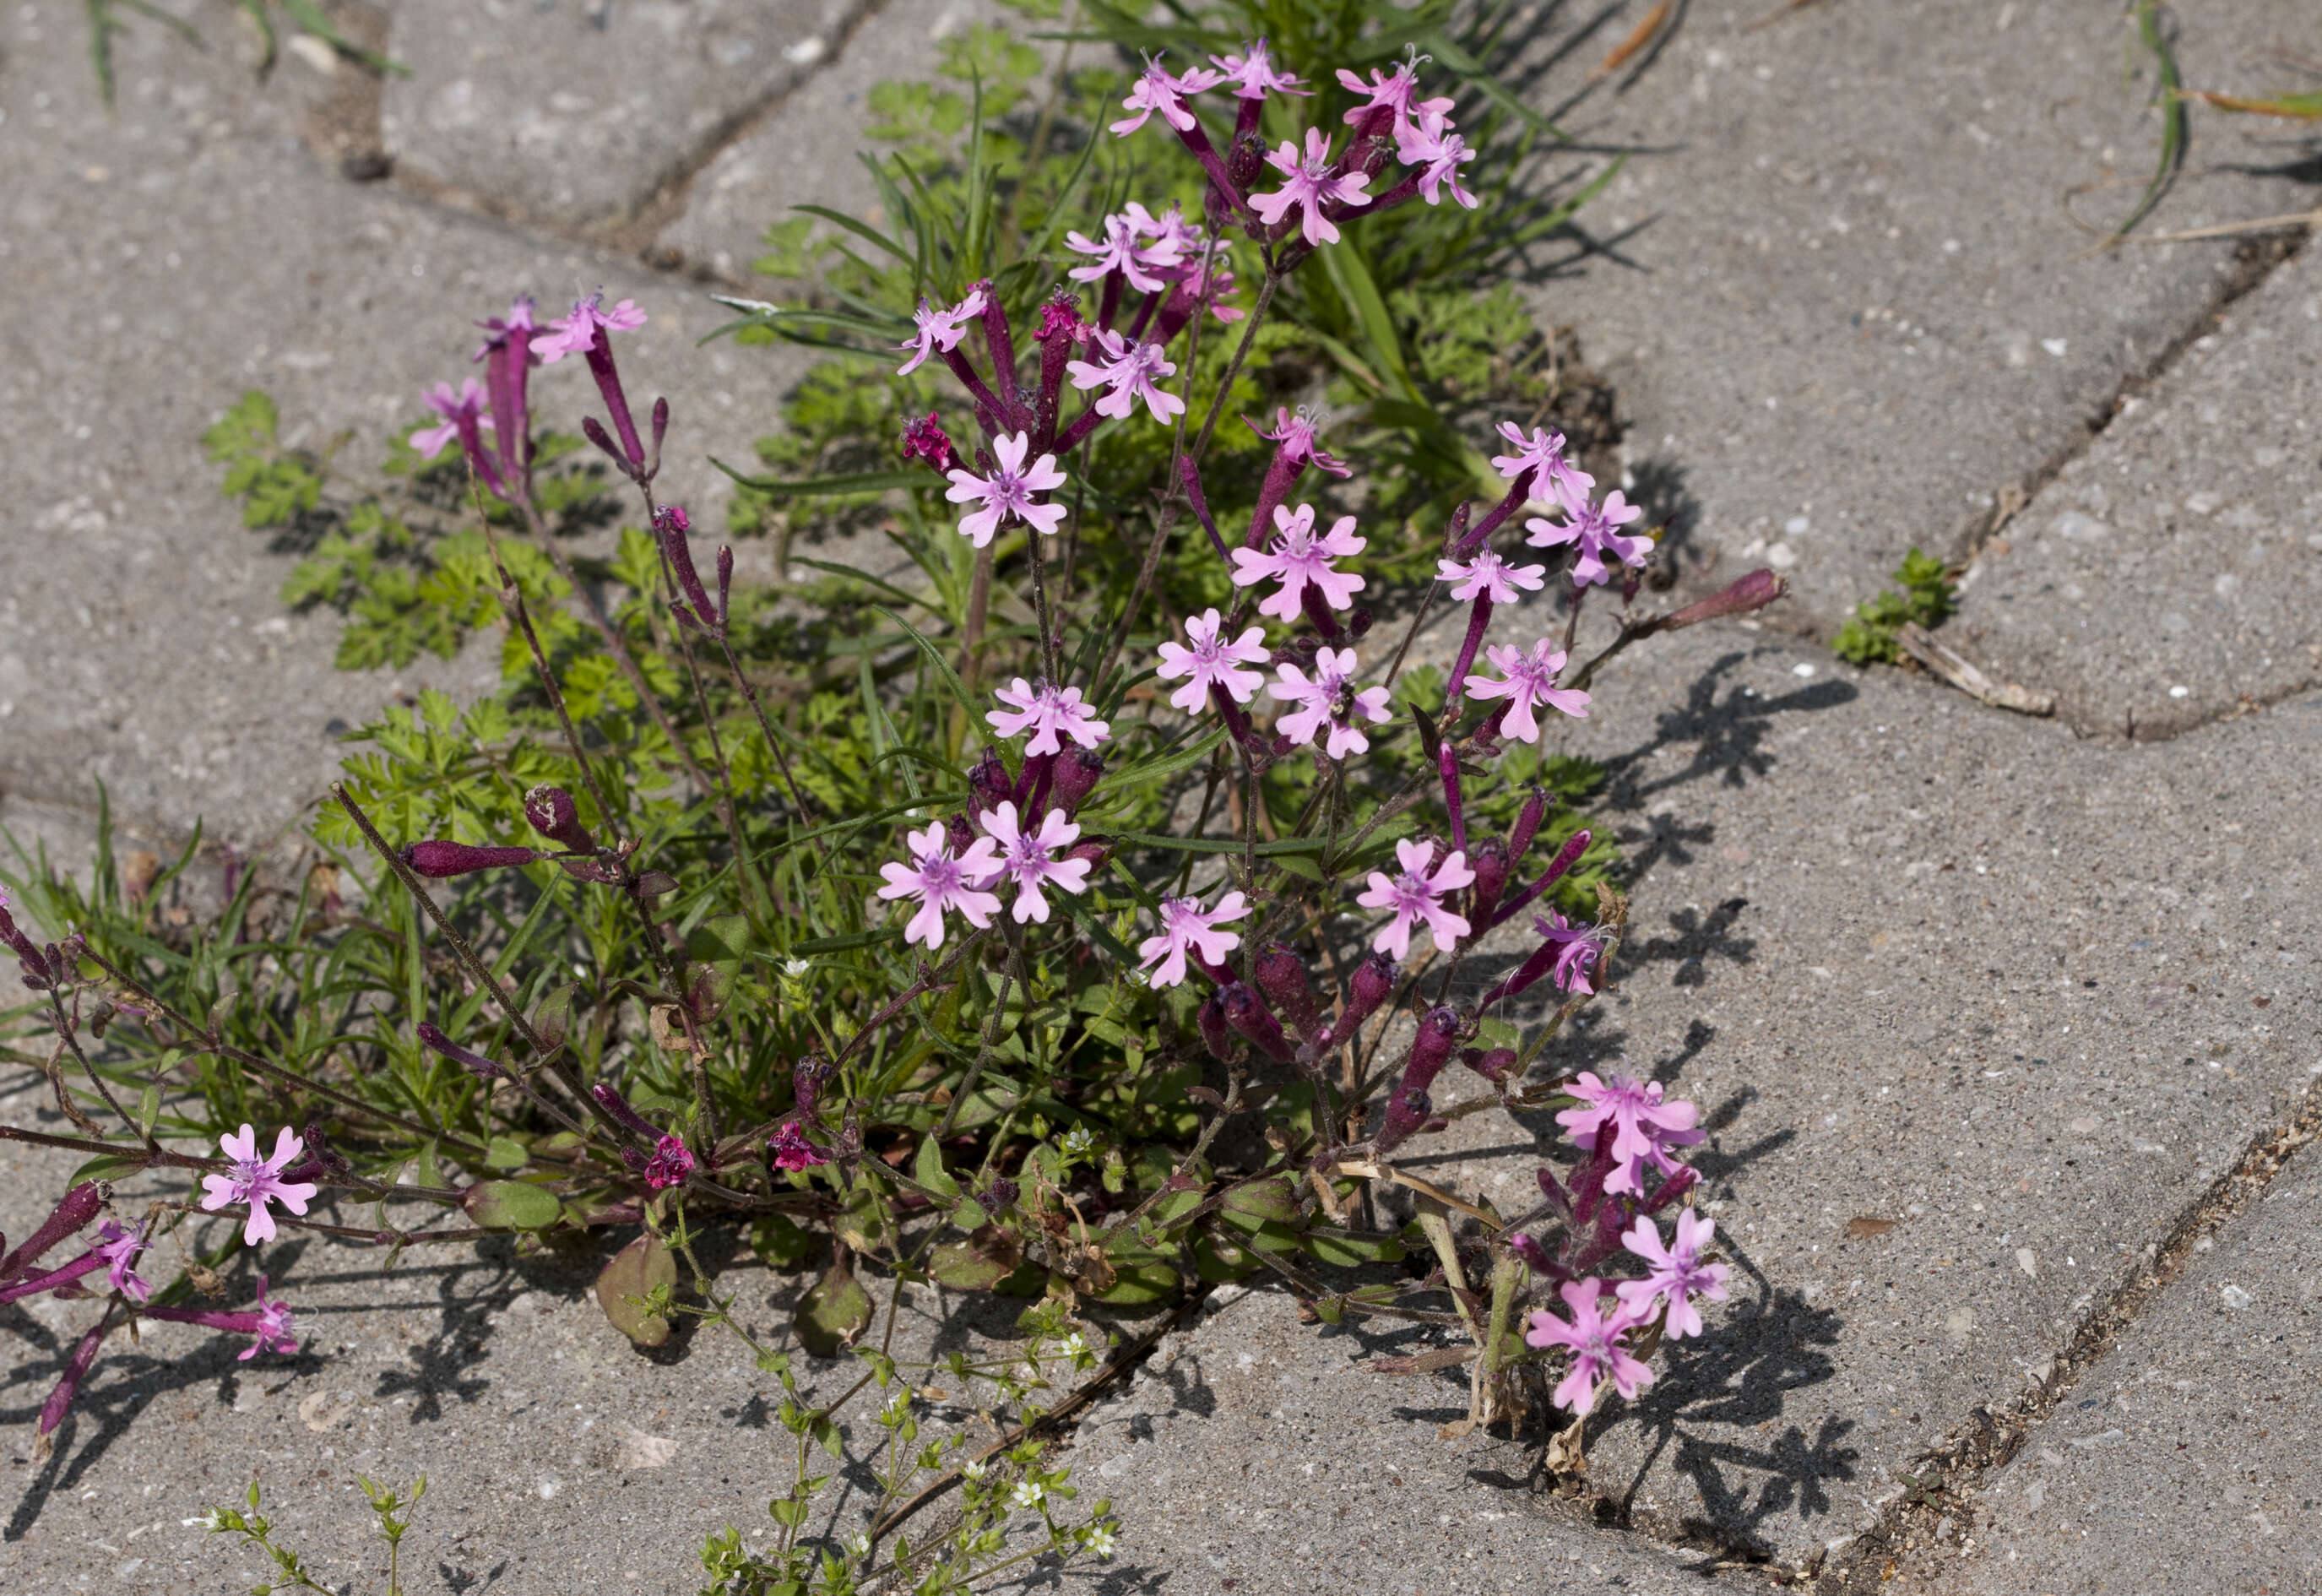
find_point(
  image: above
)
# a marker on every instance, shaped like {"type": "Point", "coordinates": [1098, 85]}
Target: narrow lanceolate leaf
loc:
{"type": "Point", "coordinates": [2303, 107]}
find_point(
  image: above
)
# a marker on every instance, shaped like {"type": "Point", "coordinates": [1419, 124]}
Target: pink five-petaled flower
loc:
{"type": "Point", "coordinates": [466, 405]}
{"type": "Point", "coordinates": [1008, 491]}
{"type": "Point", "coordinates": [1542, 453]}
{"type": "Point", "coordinates": [1580, 945]}
{"type": "Point", "coordinates": [1254, 74]}
{"type": "Point", "coordinates": [1531, 680]}
{"type": "Point", "coordinates": [1414, 893]}
{"type": "Point", "coordinates": [939, 330]}
{"type": "Point", "coordinates": [1594, 1341]}
{"type": "Point", "coordinates": [1309, 183]}
{"type": "Point", "coordinates": [941, 881]}
{"type": "Point", "coordinates": [1596, 528]}
{"type": "Point", "coordinates": [1643, 1126]}
{"type": "Point", "coordinates": [1028, 858]}
{"type": "Point", "coordinates": [671, 1163]}
{"type": "Point", "coordinates": [1392, 91]}
{"type": "Point", "coordinates": [258, 1181]}
{"type": "Point", "coordinates": [272, 1329]}
{"type": "Point", "coordinates": [792, 1151]}
{"type": "Point", "coordinates": [1213, 662]}
{"type": "Point", "coordinates": [1125, 249]}
{"type": "Point", "coordinates": [1157, 88]}
{"type": "Point", "coordinates": [1489, 575]}
{"type": "Point", "coordinates": [1132, 372]}
{"type": "Point", "coordinates": [1298, 557]}
{"type": "Point", "coordinates": [119, 1249]}
{"type": "Point", "coordinates": [1186, 923]}
{"type": "Point", "coordinates": [577, 333]}
{"type": "Point", "coordinates": [1328, 702]}
{"type": "Point", "coordinates": [1675, 1273]}
{"type": "Point", "coordinates": [1295, 433]}
{"type": "Point", "coordinates": [1046, 711]}
{"type": "Point", "coordinates": [1430, 144]}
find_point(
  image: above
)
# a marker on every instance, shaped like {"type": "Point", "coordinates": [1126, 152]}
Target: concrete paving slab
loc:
{"type": "Point", "coordinates": [2190, 1448]}
{"type": "Point", "coordinates": [2170, 575]}
{"type": "Point", "coordinates": [579, 111]}
{"type": "Point", "coordinates": [155, 267]}
{"type": "Point", "coordinates": [1834, 287]}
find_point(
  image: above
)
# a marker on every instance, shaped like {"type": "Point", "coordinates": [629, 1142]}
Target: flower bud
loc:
{"type": "Point", "coordinates": [1246, 1012]}
{"type": "Point", "coordinates": [927, 440]}
{"type": "Point", "coordinates": [553, 813]}
{"type": "Point", "coordinates": [439, 860]}
{"type": "Point", "coordinates": [475, 1063]}
{"type": "Point", "coordinates": [1494, 1065]}
{"type": "Point", "coordinates": [610, 1100]}
{"type": "Point", "coordinates": [1096, 850]}
{"type": "Point", "coordinates": [1359, 622]}
{"type": "Point", "coordinates": [1078, 771]}
{"type": "Point", "coordinates": [1373, 984]}
{"type": "Point", "coordinates": [1282, 975]}
{"type": "Point", "coordinates": [809, 1076]}
{"type": "Point", "coordinates": [1216, 1033]}
{"type": "Point", "coordinates": [1534, 1255]}
{"type": "Point", "coordinates": [1489, 861]}
{"type": "Point", "coordinates": [1246, 158]}
{"type": "Point", "coordinates": [77, 1208]}
{"type": "Point", "coordinates": [1527, 826]}
{"type": "Point", "coordinates": [1409, 1108]}
{"type": "Point", "coordinates": [988, 782]}
{"type": "Point", "coordinates": [1753, 592]}
{"type": "Point", "coordinates": [962, 832]}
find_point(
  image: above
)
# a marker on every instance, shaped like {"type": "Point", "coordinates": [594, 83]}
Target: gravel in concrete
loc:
{"type": "Point", "coordinates": [2170, 575]}
{"type": "Point", "coordinates": [2185, 1460]}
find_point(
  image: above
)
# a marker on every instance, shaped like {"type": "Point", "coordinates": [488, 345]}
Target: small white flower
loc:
{"type": "Point", "coordinates": [1073, 1345]}
{"type": "Point", "coordinates": [974, 1468]}
{"type": "Point", "coordinates": [859, 1544]}
{"type": "Point", "coordinates": [1028, 1493]}
{"type": "Point", "coordinates": [898, 1404]}
{"type": "Point", "coordinates": [1078, 1142]}
{"type": "Point", "coordinates": [1100, 1539]}
{"type": "Point", "coordinates": [796, 967]}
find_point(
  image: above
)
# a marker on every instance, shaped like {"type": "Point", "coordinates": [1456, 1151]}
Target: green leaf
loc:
{"type": "Point", "coordinates": [833, 1313]}
{"type": "Point", "coordinates": [506, 1152]}
{"type": "Point", "coordinates": [635, 1271]}
{"type": "Point", "coordinates": [861, 481]}
{"type": "Point", "coordinates": [1274, 1199]}
{"type": "Point", "coordinates": [1346, 1248]}
{"type": "Point", "coordinates": [928, 1169]}
{"type": "Point", "coordinates": [106, 1166]}
{"type": "Point", "coordinates": [781, 1242]}
{"type": "Point", "coordinates": [944, 673]}
{"type": "Point", "coordinates": [514, 1204]}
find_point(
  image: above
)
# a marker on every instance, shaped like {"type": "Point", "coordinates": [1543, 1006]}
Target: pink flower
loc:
{"type": "Point", "coordinates": [1430, 144]}
{"type": "Point", "coordinates": [1594, 1341]}
{"type": "Point", "coordinates": [1413, 894]}
{"type": "Point", "coordinates": [1596, 529]}
{"type": "Point", "coordinates": [1531, 680]}
{"type": "Point", "coordinates": [119, 1249]}
{"type": "Point", "coordinates": [791, 1150]}
{"type": "Point", "coordinates": [1582, 945]}
{"type": "Point", "coordinates": [939, 330]}
{"type": "Point", "coordinates": [1309, 184]}
{"type": "Point", "coordinates": [1298, 557]}
{"type": "Point", "coordinates": [577, 333]}
{"type": "Point", "coordinates": [941, 881]}
{"type": "Point", "coordinates": [1490, 575]}
{"type": "Point", "coordinates": [1253, 74]}
{"type": "Point", "coordinates": [272, 1329]}
{"type": "Point", "coordinates": [1028, 858]}
{"type": "Point", "coordinates": [1392, 91]}
{"type": "Point", "coordinates": [1046, 711]}
{"type": "Point", "coordinates": [1676, 1274]}
{"type": "Point", "coordinates": [1644, 1127]}
{"type": "Point", "coordinates": [1124, 249]}
{"type": "Point", "coordinates": [1184, 923]}
{"type": "Point", "coordinates": [258, 1181]}
{"type": "Point", "coordinates": [1544, 454]}
{"type": "Point", "coordinates": [1008, 491]}
{"type": "Point", "coordinates": [1213, 661]}
{"type": "Point", "coordinates": [1131, 371]}
{"type": "Point", "coordinates": [467, 405]}
{"type": "Point", "coordinates": [1157, 89]}
{"type": "Point", "coordinates": [1295, 433]}
{"type": "Point", "coordinates": [1328, 702]}
{"type": "Point", "coordinates": [671, 1163]}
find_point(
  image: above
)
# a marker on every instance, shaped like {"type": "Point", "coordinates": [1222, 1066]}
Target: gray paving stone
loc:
{"type": "Point", "coordinates": [152, 269]}
{"type": "Point", "coordinates": [2187, 1455]}
{"type": "Point", "coordinates": [580, 111]}
{"type": "Point", "coordinates": [2170, 575]}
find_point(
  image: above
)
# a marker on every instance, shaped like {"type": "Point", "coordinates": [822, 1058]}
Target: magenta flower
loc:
{"type": "Point", "coordinates": [1430, 144]}
{"type": "Point", "coordinates": [1530, 681]}
{"type": "Point", "coordinates": [258, 1181]}
{"type": "Point", "coordinates": [1644, 1127]}
{"type": "Point", "coordinates": [1213, 662]}
{"type": "Point", "coordinates": [1124, 249]}
{"type": "Point", "coordinates": [1328, 702]}
{"type": "Point", "coordinates": [1131, 373]}
{"type": "Point", "coordinates": [1392, 92]}
{"type": "Point", "coordinates": [1594, 1342]}
{"type": "Point", "coordinates": [1028, 857]}
{"type": "Point", "coordinates": [1310, 183]}
{"type": "Point", "coordinates": [460, 410]}
{"type": "Point", "coordinates": [272, 1328]}
{"type": "Point", "coordinates": [1185, 924]}
{"type": "Point", "coordinates": [1295, 433]}
{"type": "Point", "coordinates": [1579, 946]}
{"type": "Point", "coordinates": [577, 333]}
{"type": "Point", "coordinates": [941, 883]}
{"type": "Point", "coordinates": [927, 440]}
{"type": "Point", "coordinates": [1541, 453]}
{"type": "Point", "coordinates": [1414, 894]}
{"type": "Point", "coordinates": [1489, 575]}
{"type": "Point", "coordinates": [1298, 557]}
{"type": "Point", "coordinates": [792, 1151]}
{"type": "Point", "coordinates": [1596, 528]}
{"type": "Point", "coordinates": [1254, 74]}
{"type": "Point", "coordinates": [671, 1163]}
{"type": "Point", "coordinates": [939, 330]}
{"type": "Point", "coordinates": [1673, 1274]}
{"type": "Point", "coordinates": [1046, 710]}
{"type": "Point", "coordinates": [1008, 492]}
{"type": "Point", "coordinates": [119, 1249]}
{"type": "Point", "coordinates": [1158, 90]}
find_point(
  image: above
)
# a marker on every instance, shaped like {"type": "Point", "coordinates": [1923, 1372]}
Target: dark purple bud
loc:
{"type": "Point", "coordinates": [1527, 826]}
{"type": "Point", "coordinates": [725, 583]}
{"type": "Point", "coordinates": [997, 1197]}
{"type": "Point", "coordinates": [616, 405]}
{"type": "Point", "coordinates": [1672, 1189]}
{"type": "Point", "coordinates": [550, 811]}
{"type": "Point", "coordinates": [79, 1206]}
{"type": "Point", "coordinates": [1096, 850]}
{"type": "Point", "coordinates": [1753, 592]}
{"type": "Point", "coordinates": [988, 782]}
{"type": "Point", "coordinates": [1492, 1065]}
{"type": "Point", "coordinates": [1078, 771]}
{"type": "Point", "coordinates": [660, 426]}
{"type": "Point", "coordinates": [322, 1158]}
{"type": "Point", "coordinates": [1408, 1109]}
{"type": "Point", "coordinates": [601, 871]}
{"type": "Point", "coordinates": [670, 525]}
{"type": "Point", "coordinates": [60, 1280]}
{"type": "Point", "coordinates": [440, 859]}
{"type": "Point", "coordinates": [594, 431]}
{"type": "Point", "coordinates": [1217, 1034]}
{"type": "Point", "coordinates": [1534, 1255]}
{"type": "Point", "coordinates": [808, 1078]}
{"type": "Point", "coordinates": [1359, 621]}
{"type": "Point", "coordinates": [1490, 863]}
{"type": "Point", "coordinates": [962, 832]}
{"type": "Point", "coordinates": [927, 440]}
{"type": "Point", "coordinates": [617, 1107]}
{"type": "Point", "coordinates": [1373, 984]}
{"type": "Point", "coordinates": [60, 1399]}
{"type": "Point", "coordinates": [1566, 858]}
{"type": "Point", "coordinates": [1246, 1012]}
{"type": "Point", "coordinates": [1282, 975]}
{"type": "Point", "coordinates": [476, 1064]}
